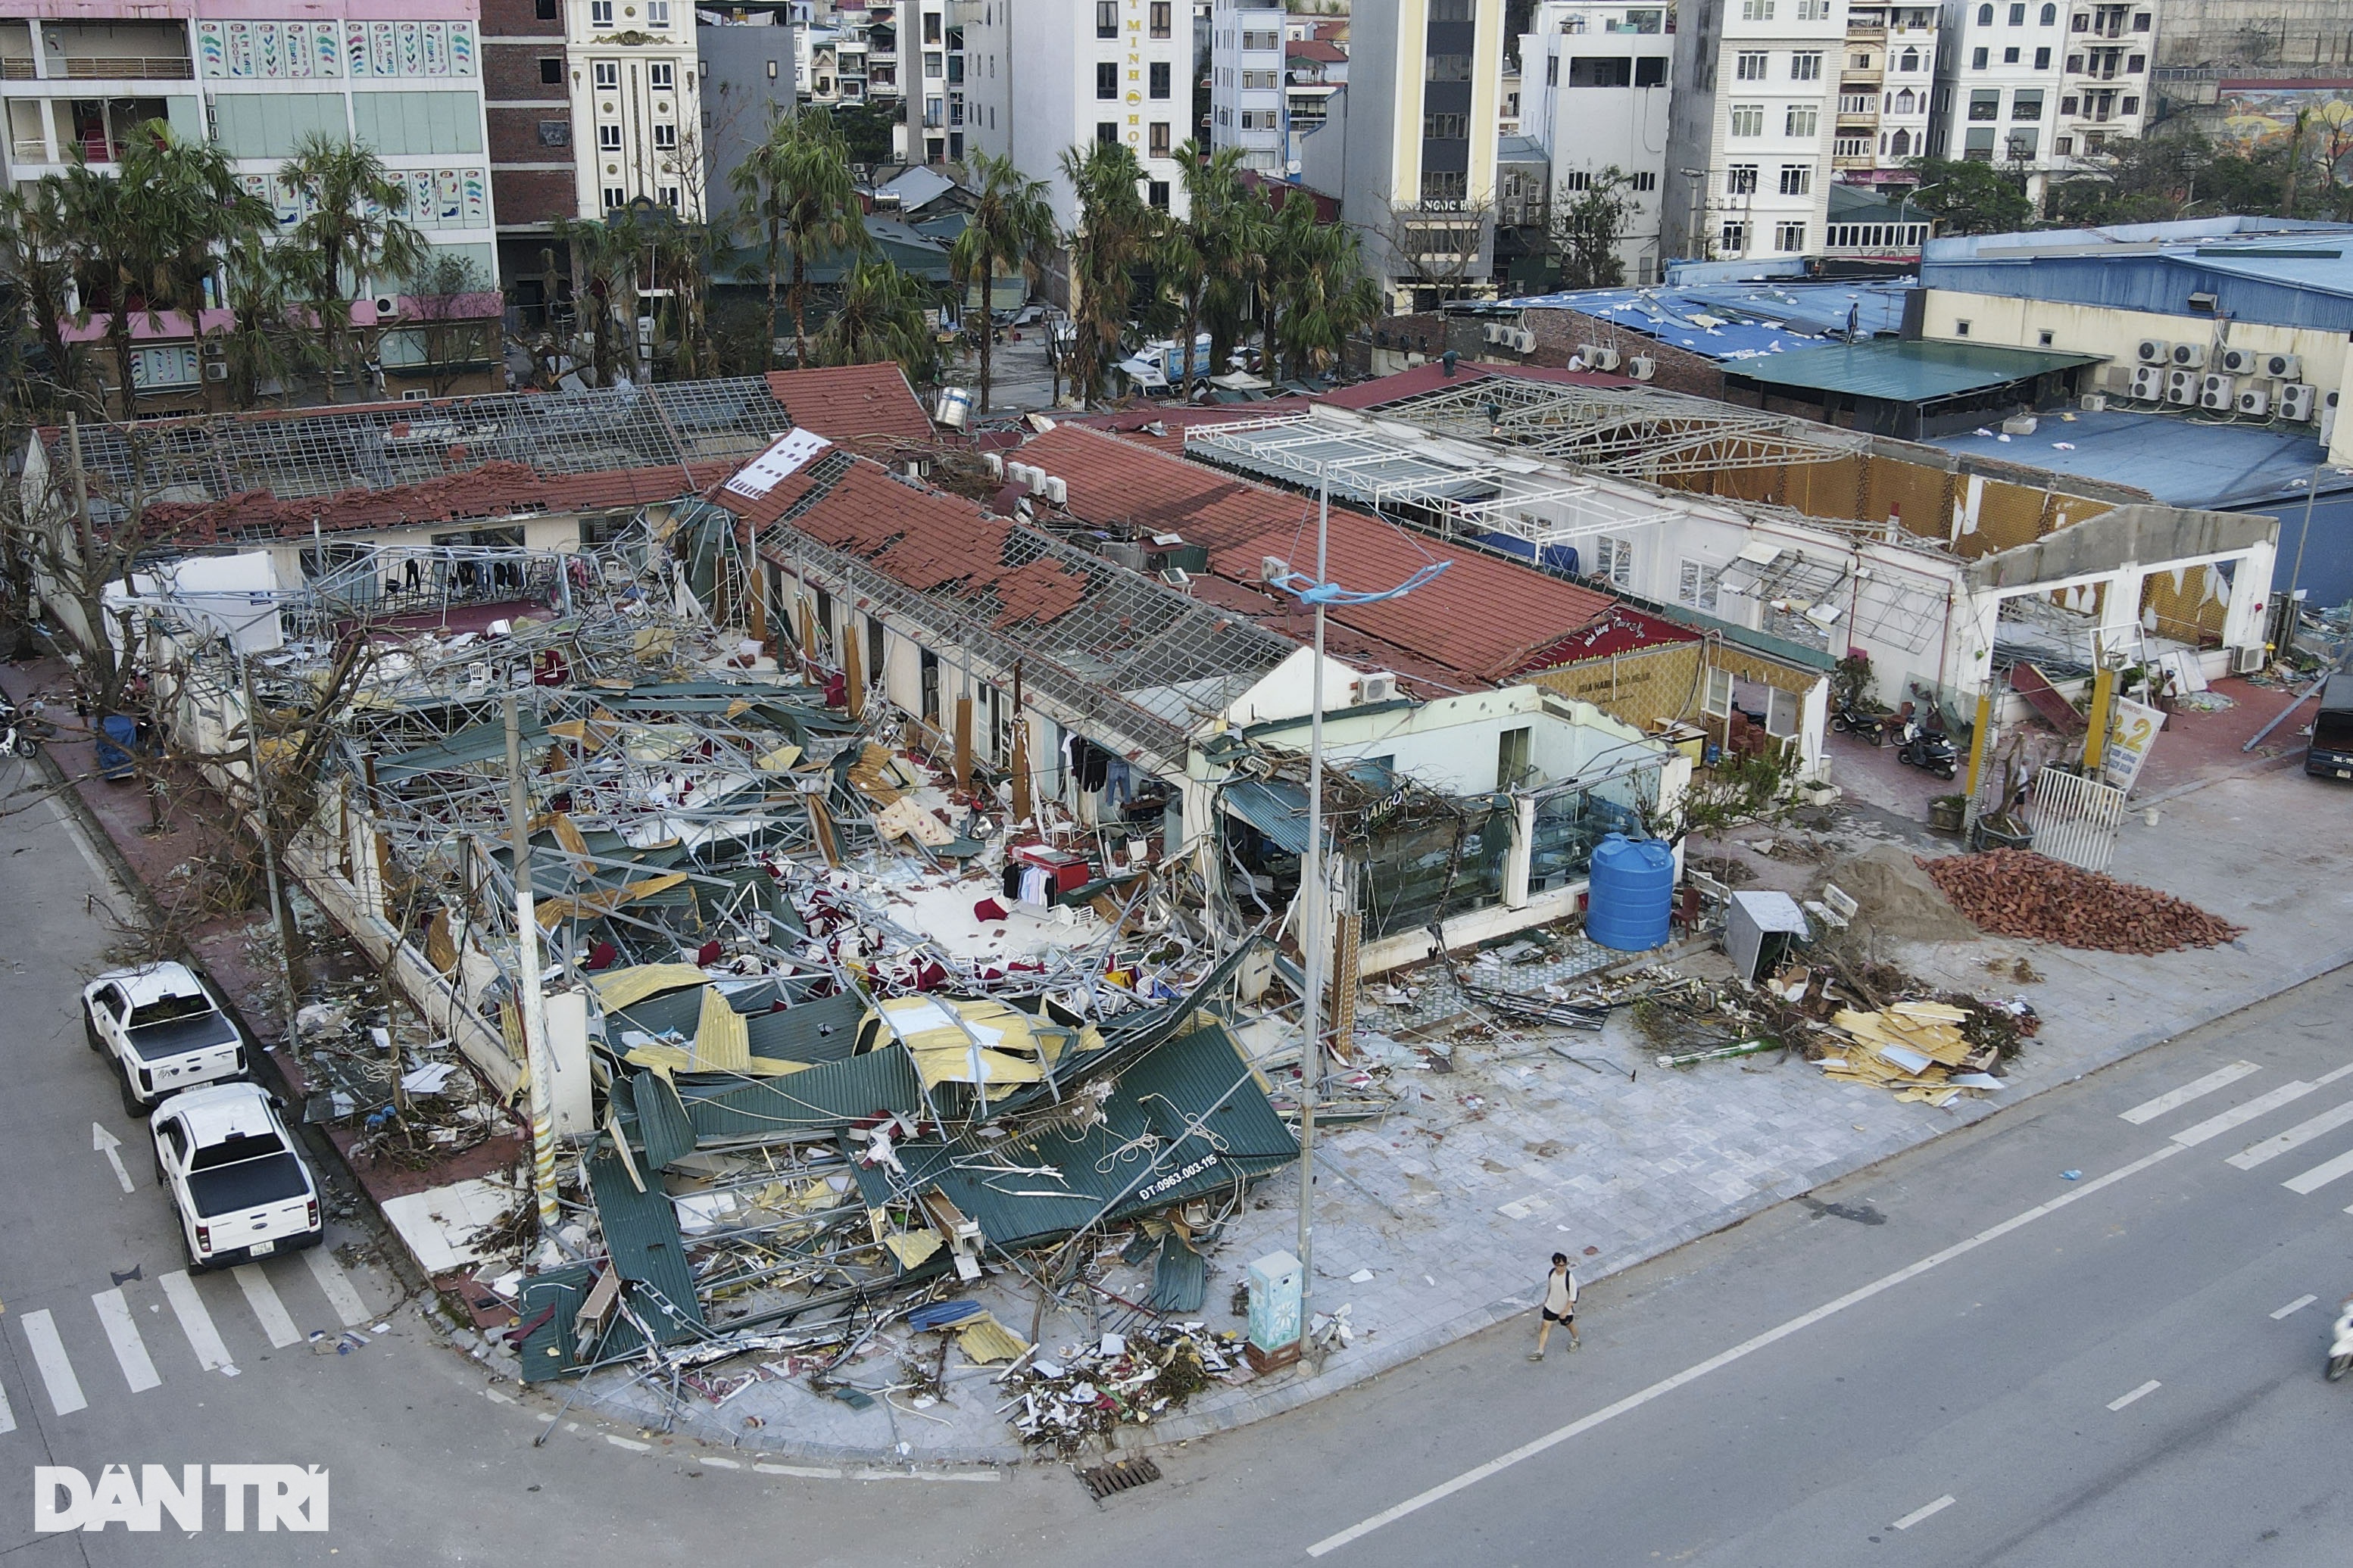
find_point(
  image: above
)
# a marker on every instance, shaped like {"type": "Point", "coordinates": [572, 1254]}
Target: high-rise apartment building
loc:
{"type": "Point", "coordinates": [1887, 81]}
{"type": "Point", "coordinates": [631, 68]}
{"type": "Point", "coordinates": [933, 66]}
{"type": "Point", "coordinates": [1749, 150]}
{"type": "Point", "coordinates": [1248, 102]}
{"type": "Point", "coordinates": [1596, 80]}
{"type": "Point", "coordinates": [2044, 87]}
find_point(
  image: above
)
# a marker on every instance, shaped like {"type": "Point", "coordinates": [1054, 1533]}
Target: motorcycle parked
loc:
{"type": "Point", "coordinates": [1849, 719]}
{"type": "Point", "coordinates": [21, 731]}
{"type": "Point", "coordinates": [1929, 749]}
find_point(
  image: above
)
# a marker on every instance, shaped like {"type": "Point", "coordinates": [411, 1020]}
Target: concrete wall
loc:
{"type": "Point", "coordinates": [738, 93]}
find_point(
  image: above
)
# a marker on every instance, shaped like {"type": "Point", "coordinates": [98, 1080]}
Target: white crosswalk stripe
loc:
{"type": "Point", "coordinates": [50, 1358]}
{"type": "Point", "coordinates": [195, 1322]}
{"type": "Point", "coordinates": [2221, 1078]}
{"type": "Point", "coordinates": [7, 1415]}
{"type": "Point", "coordinates": [337, 1287]}
{"type": "Point", "coordinates": [2239, 1115]}
{"type": "Point", "coordinates": [122, 1334]}
{"type": "Point", "coordinates": [2320, 1175]}
{"type": "Point", "coordinates": [267, 1308]}
{"type": "Point", "coordinates": [2303, 1132]}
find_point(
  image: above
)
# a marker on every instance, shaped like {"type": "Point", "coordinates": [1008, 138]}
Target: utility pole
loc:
{"type": "Point", "coordinates": [1314, 944]}
{"type": "Point", "coordinates": [537, 1062]}
{"type": "Point", "coordinates": [278, 910]}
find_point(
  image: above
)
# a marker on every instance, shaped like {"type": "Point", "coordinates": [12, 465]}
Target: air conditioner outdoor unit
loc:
{"type": "Point", "coordinates": [1526, 341]}
{"type": "Point", "coordinates": [1641, 367]}
{"type": "Point", "coordinates": [2189, 357]}
{"type": "Point", "coordinates": [2239, 362]}
{"type": "Point", "coordinates": [2181, 387]}
{"type": "Point", "coordinates": [995, 461]}
{"type": "Point", "coordinates": [1375, 686]}
{"type": "Point", "coordinates": [2284, 367]}
{"type": "Point", "coordinates": [213, 347]}
{"type": "Point", "coordinates": [1038, 481]}
{"type": "Point", "coordinates": [1596, 357]}
{"type": "Point", "coordinates": [2249, 660]}
{"type": "Point", "coordinates": [2295, 402]}
{"type": "Point", "coordinates": [2328, 398]}
{"type": "Point", "coordinates": [2147, 383]}
{"type": "Point", "coordinates": [216, 370]}
{"type": "Point", "coordinates": [2093, 402]}
{"type": "Point", "coordinates": [1494, 331]}
{"type": "Point", "coordinates": [2154, 350]}
{"type": "Point", "coordinates": [1272, 568]}
{"type": "Point", "coordinates": [386, 308]}
{"type": "Point", "coordinates": [2255, 402]}
{"type": "Point", "coordinates": [2216, 391]}
{"type": "Point", "coordinates": [1057, 490]}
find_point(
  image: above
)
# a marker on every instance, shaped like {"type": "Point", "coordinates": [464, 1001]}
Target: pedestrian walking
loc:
{"type": "Point", "coordinates": [1559, 1304]}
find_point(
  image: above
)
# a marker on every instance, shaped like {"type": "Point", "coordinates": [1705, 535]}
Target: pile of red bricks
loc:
{"type": "Point", "coordinates": [2016, 892]}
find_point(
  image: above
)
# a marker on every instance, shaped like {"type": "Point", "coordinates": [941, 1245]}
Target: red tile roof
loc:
{"type": "Point", "coordinates": [1137, 424]}
{"type": "Point", "coordinates": [847, 402]}
{"type": "Point", "coordinates": [495, 489]}
{"type": "Point", "coordinates": [1314, 49]}
{"type": "Point", "coordinates": [1478, 625]}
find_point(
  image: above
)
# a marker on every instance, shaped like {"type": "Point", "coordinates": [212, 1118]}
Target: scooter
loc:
{"type": "Point", "coordinates": [1929, 749]}
{"type": "Point", "coordinates": [19, 731]}
{"type": "Point", "coordinates": [1849, 719]}
{"type": "Point", "coordinates": [2340, 1349]}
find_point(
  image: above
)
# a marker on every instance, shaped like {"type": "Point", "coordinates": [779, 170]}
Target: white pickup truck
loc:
{"type": "Point", "coordinates": [226, 1160]}
{"type": "Point", "coordinates": [163, 1030]}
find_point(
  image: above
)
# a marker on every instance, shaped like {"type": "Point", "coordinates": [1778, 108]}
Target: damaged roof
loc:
{"type": "Point", "coordinates": [851, 401]}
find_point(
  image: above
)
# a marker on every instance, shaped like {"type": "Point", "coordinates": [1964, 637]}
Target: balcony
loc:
{"type": "Point", "coordinates": [1853, 78]}
{"type": "Point", "coordinates": [103, 68]}
{"type": "Point", "coordinates": [27, 150]}
{"type": "Point", "coordinates": [1852, 161]}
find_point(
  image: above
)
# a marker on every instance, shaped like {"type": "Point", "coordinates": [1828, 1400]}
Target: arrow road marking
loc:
{"type": "Point", "coordinates": [108, 1144]}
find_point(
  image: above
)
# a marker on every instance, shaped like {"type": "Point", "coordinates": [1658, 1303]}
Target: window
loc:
{"type": "Point", "coordinates": [1650, 70]}
{"type": "Point", "coordinates": [1903, 103]}
{"type": "Point", "coordinates": [2009, 56]}
{"type": "Point", "coordinates": [1901, 145]}
{"type": "Point", "coordinates": [1107, 132]}
{"type": "Point", "coordinates": [1160, 13]}
{"type": "Point", "coordinates": [1647, 180]}
{"type": "Point", "coordinates": [1747, 120]}
{"type": "Point", "coordinates": [2043, 60]}
{"type": "Point", "coordinates": [1977, 146]}
{"type": "Point", "coordinates": [1443, 128]}
{"type": "Point", "coordinates": [546, 12]}
{"type": "Point", "coordinates": [1696, 581]}
{"type": "Point", "coordinates": [1576, 181]}
{"type": "Point", "coordinates": [2022, 145]}
{"type": "Point", "coordinates": [550, 70]}
{"type": "Point", "coordinates": [607, 75]}
{"type": "Point", "coordinates": [2068, 105]}
{"type": "Point", "coordinates": [1985, 103]}
{"type": "Point", "coordinates": [2074, 64]}
{"type": "Point", "coordinates": [1441, 186]}
{"type": "Point", "coordinates": [2018, 16]}
{"type": "Point", "coordinates": [1985, 15]}
{"type": "Point", "coordinates": [1756, 10]}
{"type": "Point", "coordinates": [669, 196]}
{"type": "Point", "coordinates": [1613, 561]}
{"type": "Point", "coordinates": [1732, 237]}
{"type": "Point", "coordinates": [1552, 71]}
{"type": "Point", "coordinates": [1796, 179]}
{"type": "Point", "coordinates": [600, 13]}
{"type": "Point", "coordinates": [2082, 24]}
{"type": "Point", "coordinates": [2064, 146]}
{"type": "Point", "coordinates": [2049, 17]}
{"type": "Point", "coordinates": [1448, 68]}
{"type": "Point", "coordinates": [2046, 337]}
{"type": "Point", "coordinates": [1160, 79]}
{"type": "Point", "coordinates": [661, 76]}
{"type": "Point", "coordinates": [1851, 146]}
{"type": "Point", "coordinates": [1261, 40]}
{"type": "Point", "coordinates": [1910, 60]}
{"type": "Point", "coordinates": [1106, 79]}
{"type": "Point", "coordinates": [1789, 237]}
{"type": "Point", "coordinates": [658, 14]}
{"type": "Point", "coordinates": [1803, 119]}
{"type": "Point", "coordinates": [1603, 70]}
{"type": "Point", "coordinates": [555, 133]}
{"type": "Point", "coordinates": [1106, 19]}
{"type": "Point", "coordinates": [1450, 11]}
{"type": "Point", "coordinates": [2134, 66]}
{"type": "Point", "coordinates": [1809, 11]}
{"type": "Point", "coordinates": [615, 196]}
{"type": "Point", "coordinates": [1976, 60]}
{"type": "Point", "coordinates": [665, 136]}
{"type": "Point", "coordinates": [1155, 192]}
{"type": "Point", "coordinates": [930, 26]}
{"type": "Point", "coordinates": [1806, 65]}
{"type": "Point", "coordinates": [2026, 103]}
{"type": "Point", "coordinates": [2130, 106]}
{"type": "Point", "coordinates": [1748, 65]}
{"type": "Point", "coordinates": [608, 138]}
{"type": "Point", "coordinates": [1159, 140]}
{"type": "Point", "coordinates": [1740, 180]}
{"type": "Point", "coordinates": [1859, 62]}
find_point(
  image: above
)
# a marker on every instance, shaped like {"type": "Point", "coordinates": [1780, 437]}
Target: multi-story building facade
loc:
{"type": "Point", "coordinates": [746, 64]}
{"type": "Point", "coordinates": [933, 66]}
{"type": "Point", "coordinates": [1595, 88]}
{"type": "Point", "coordinates": [1748, 149]}
{"type": "Point", "coordinates": [1041, 76]}
{"type": "Point", "coordinates": [1887, 81]}
{"type": "Point", "coordinates": [2043, 86]}
{"type": "Point", "coordinates": [534, 146]}
{"type": "Point", "coordinates": [637, 103]}
{"type": "Point", "coordinates": [1249, 107]}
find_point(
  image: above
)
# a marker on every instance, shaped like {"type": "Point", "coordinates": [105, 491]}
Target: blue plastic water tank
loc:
{"type": "Point", "coordinates": [1632, 894]}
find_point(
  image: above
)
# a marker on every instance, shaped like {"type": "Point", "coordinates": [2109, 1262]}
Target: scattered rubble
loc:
{"type": "Point", "coordinates": [2016, 892]}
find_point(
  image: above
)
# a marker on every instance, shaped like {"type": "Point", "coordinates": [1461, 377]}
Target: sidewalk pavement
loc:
{"type": "Point", "coordinates": [1439, 1220]}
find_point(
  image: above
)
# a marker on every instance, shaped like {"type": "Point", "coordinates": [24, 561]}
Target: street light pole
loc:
{"type": "Point", "coordinates": [1313, 945]}
{"type": "Point", "coordinates": [533, 999]}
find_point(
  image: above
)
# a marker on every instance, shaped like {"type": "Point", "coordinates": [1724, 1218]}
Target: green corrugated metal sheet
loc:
{"type": "Point", "coordinates": [469, 747]}
{"type": "Point", "coordinates": [641, 1236]}
{"type": "Point", "coordinates": [1278, 811]}
{"type": "Point", "coordinates": [823, 1097]}
{"type": "Point", "coordinates": [661, 1122]}
{"type": "Point", "coordinates": [547, 1349]}
{"type": "Point", "coordinates": [823, 1030]}
{"type": "Point", "coordinates": [1901, 370]}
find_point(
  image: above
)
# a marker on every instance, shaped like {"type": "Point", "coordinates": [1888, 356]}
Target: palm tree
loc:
{"type": "Point", "coordinates": [193, 209]}
{"type": "Point", "coordinates": [1010, 222]}
{"type": "Point", "coordinates": [350, 233]}
{"type": "Point", "coordinates": [37, 261]}
{"type": "Point", "coordinates": [606, 256]}
{"type": "Point", "coordinates": [881, 317]}
{"type": "Point", "coordinates": [265, 342]}
{"type": "Point", "coordinates": [796, 188]}
{"type": "Point", "coordinates": [1115, 235]}
{"type": "Point", "coordinates": [1239, 240]}
{"type": "Point", "coordinates": [1327, 295]}
{"type": "Point", "coordinates": [1191, 251]}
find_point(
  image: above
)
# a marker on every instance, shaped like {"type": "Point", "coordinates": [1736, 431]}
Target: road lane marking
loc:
{"type": "Point", "coordinates": [2298, 1305]}
{"type": "Point", "coordinates": [2254, 1155]}
{"type": "Point", "coordinates": [49, 1356]}
{"type": "Point", "coordinates": [337, 1284]}
{"type": "Point", "coordinates": [262, 1297]}
{"type": "Point", "coordinates": [805, 1472]}
{"type": "Point", "coordinates": [7, 1415]}
{"type": "Point", "coordinates": [194, 1322]}
{"type": "Point", "coordinates": [2320, 1175]}
{"type": "Point", "coordinates": [1930, 1510]}
{"type": "Point", "coordinates": [2239, 1115]}
{"type": "Point", "coordinates": [1748, 1347]}
{"type": "Point", "coordinates": [99, 874]}
{"type": "Point", "coordinates": [631, 1444]}
{"type": "Point", "coordinates": [122, 1334]}
{"type": "Point", "coordinates": [2221, 1078]}
{"type": "Point", "coordinates": [2143, 1391]}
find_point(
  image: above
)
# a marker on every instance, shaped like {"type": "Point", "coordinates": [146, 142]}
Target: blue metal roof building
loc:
{"type": "Point", "coordinates": [1737, 320]}
{"type": "Point", "coordinates": [2268, 271]}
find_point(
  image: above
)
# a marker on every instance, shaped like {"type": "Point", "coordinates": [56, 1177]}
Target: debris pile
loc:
{"type": "Point", "coordinates": [1897, 899]}
{"type": "Point", "coordinates": [2016, 892]}
{"type": "Point", "coordinates": [1917, 1048]}
{"type": "Point", "coordinates": [1135, 1377]}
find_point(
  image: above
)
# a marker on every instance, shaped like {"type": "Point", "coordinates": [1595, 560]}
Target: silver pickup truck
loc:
{"type": "Point", "coordinates": [226, 1160]}
{"type": "Point", "coordinates": [162, 1029]}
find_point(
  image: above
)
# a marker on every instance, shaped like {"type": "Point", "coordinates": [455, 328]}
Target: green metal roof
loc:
{"type": "Point", "coordinates": [1901, 370]}
{"type": "Point", "coordinates": [820, 1100]}
{"type": "Point", "coordinates": [641, 1234]}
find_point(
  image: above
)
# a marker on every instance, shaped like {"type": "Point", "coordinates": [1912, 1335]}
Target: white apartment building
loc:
{"type": "Point", "coordinates": [2042, 85]}
{"type": "Point", "coordinates": [933, 65]}
{"type": "Point", "coordinates": [1043, 75]}
{"type": "Point", "coordinates": [1594, 86]}
{"type": "Point", "coordinates": [1748, 154]}
{"type": "Point", "coordinates": [636, 104]}
{"type": "Point", "coordinates": [1247, 106]}
{"type": "Point", "coordinates": [1887, 81]}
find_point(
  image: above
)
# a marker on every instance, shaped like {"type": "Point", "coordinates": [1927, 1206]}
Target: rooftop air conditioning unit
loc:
{"type": "Point", "coordinates": [2093, 402]}
{"type": "Point", "coordinates": [2147, 383]}
{"type": "Point", "coordinates": [2189, 357]}
{"type": "Point", "coordinates": [1038, 481]}
{"type": "Point", "coordinates": [2181, 387]}
{"type": "Point", "coordinates": [1272, 568]}
{"type": "Point", "coordinates": [2255, 402]}
{"type": "Point", "coordinates": [1641, 367]}
{"type": "Point", "coordinates": [995, 461]}
{"type": "Point", "coordinates": [2239, 362]}
{"type": "Point", "coordinates": [216, 370]}
{"type": "Point", "coordinates": [2154, 350]}
{"type": "Point", "coordinates": [2216, 391]}
{"type": "Point", "coordinates": [1597, 357]}
{"type": "Point", "coordinates": [1526, 341]}
{"type": "Point", "coordinates": [2297, 401]}
{"type": "Point", "coordinates": [1017, 474]}
{"type": "Point", "coordinates": [2248, 660]}
{"type": "Point", "coordinates": [1493, 331]}
{"type": "Point", "coordinates": [1375, 686]}
{"type": "Point", "coordinates": [1057, 490]}
{"type": "Point", "coordinates": [2284, 367]}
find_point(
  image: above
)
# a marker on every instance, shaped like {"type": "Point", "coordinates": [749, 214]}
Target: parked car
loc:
{"type": "Point", "coordinates": [227, 1161]}
{"type": "Point", "coordinates": [2331, 755]}
{"type": "Point", "coordinates": [163, 1029]}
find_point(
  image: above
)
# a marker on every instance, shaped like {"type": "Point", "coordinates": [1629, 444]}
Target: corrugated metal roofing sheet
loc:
{"type": "Point", "coordinates": [641, 1234]}
{"type": "Point", "coordinates": [823, 1097]}
{"type": "Point", "coordinates": [1907, 371]}
{"type": "Point", "coordinates": [1278, 811]}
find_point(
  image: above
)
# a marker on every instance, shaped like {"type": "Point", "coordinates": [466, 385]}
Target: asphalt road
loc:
{"type": "Point", "coordinates": [2096, 1370]}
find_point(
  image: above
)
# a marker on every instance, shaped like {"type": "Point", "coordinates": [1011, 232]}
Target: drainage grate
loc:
{"type": "Point", "coordinates": [1124, 1476]}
